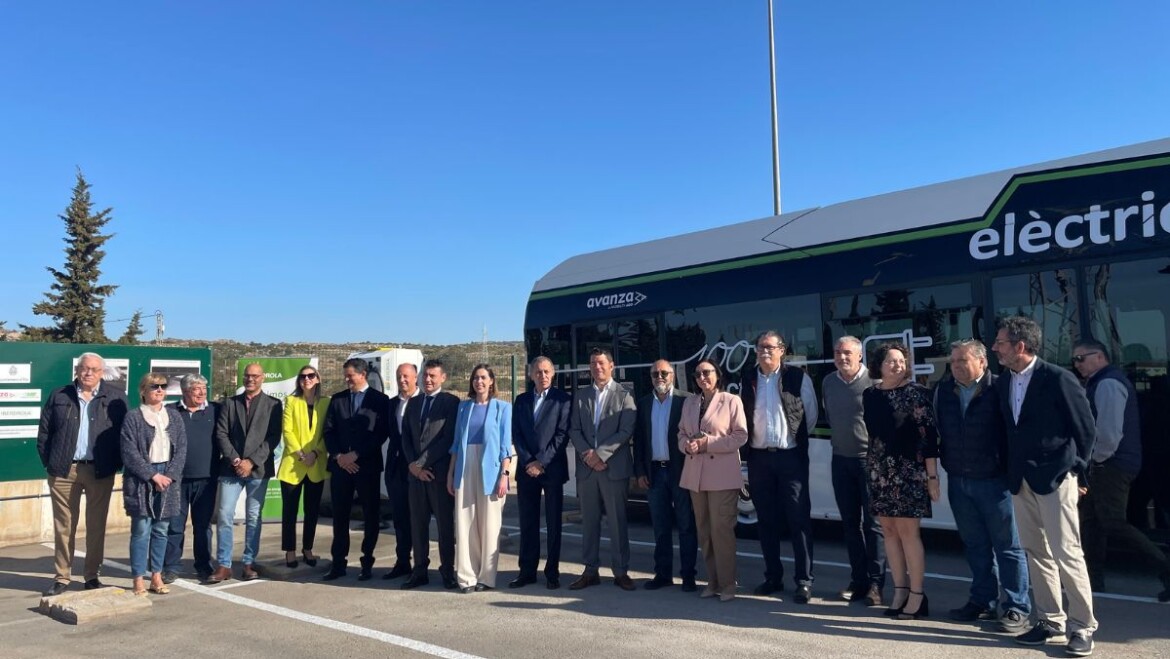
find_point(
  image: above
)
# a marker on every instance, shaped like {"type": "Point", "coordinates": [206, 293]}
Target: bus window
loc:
{"type": "Point", "coordinates": [637, 350]}
{"type": "Point", "coordinates": [725, 333]}
{"type": "Point", "coordinates": [926, 319]}
{"type": "Point", "coordinates": [1050, 299]}
{"type": "Point", "coordinates": [1129, 305]}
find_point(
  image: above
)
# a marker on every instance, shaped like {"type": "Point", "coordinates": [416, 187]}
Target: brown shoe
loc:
{"type": "Point", "coordinates": [585, 581]}
{"type": "Point", "coordinates": [874, 596]}
{"type": "Point", "coordinates": [624, 582]}
{"type": "Point", "coordinates": [249, 574]}
{"type": "Point", "coordinates": [221, 574]}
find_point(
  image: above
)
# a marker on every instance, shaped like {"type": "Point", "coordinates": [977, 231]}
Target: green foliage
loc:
{"type": "Point", "coordinates": [133, 330]}
{"type": "Point", "coordinates": [75, 301]}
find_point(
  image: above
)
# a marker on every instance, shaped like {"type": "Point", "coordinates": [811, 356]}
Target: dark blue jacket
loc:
{"type": "Point", "coordinates": [973, 445]}
{"type": "Point", "coordinates": [545, 437]}
{"type": "Point", "coordinates": [60, 421]}
{"type": "Point", "coordinates": [1128, 456]}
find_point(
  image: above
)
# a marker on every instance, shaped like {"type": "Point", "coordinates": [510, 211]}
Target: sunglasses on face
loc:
{"type": "Point", "coordinates": [661, 375]}
{"type": "Point", "coordinates": [1080, 358]}
{"type": "Point", "coordinates": [307, 376]}
{"type": "Point", "coordinates": [159, 387]}
{"type": "Point", "coordinates": [704, 372]}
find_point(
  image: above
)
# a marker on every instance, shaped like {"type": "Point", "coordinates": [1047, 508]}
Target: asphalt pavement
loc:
{"type": "Point", "coordinates": [307, 617]}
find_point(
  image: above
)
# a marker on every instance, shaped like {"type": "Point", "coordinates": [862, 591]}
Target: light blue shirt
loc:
{"type": "Point", "coordinates": [659, 420]}
{"type": "Point", "coordinates": [966, 394]}
{"type": "Point", "coordinates": [83, 450]}
{"type": "Point", "coordinates": [537, 399]}
{"type": "Point", "coordinates": [771, 428]}
{"type": "Point", "coordinates": [358, 397]}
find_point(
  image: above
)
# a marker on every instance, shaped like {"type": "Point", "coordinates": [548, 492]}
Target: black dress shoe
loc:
{"type": "Point", "coordinates": [399, 570]}
{"type": "Point", "coordinates": [768, 587]}
{"type": "Point", "coordinates": [450, 583]}
{"type": "Point", "coordinates": [168, 578]}
{"type": "Point", "coordinates": [658, 582]}
{"type": "Point", "coordinates": [480, 587]}
{"type": "Point", "coordinates": [57, 588]}
{"type": "Point", "coordinates": [624, 582]}
{"type": "Point", "coordinates": [366, 574]}
{"type": "Point", "coordinates": [521, 581]}
{"type": "Point", "coordinates": [689, 585]}
{"type": "Point", "coordinates": [585, 581]}
{"type": "Point", "coordinates": [552, 583]}
{"type": "Point", "coordinates": [467, 589]}
{"type": "Point", "coordinates": [334, 574]}
{"type": "Point", "coordinates": [95, 583]}
{"type": "Point", "coordinates": [415, 581]}
{"type": "Point", "coordinates": [802, 594]}
{"type": "Point", "coordinates": [310, 559]}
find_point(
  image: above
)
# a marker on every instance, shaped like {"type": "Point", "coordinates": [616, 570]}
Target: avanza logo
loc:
{"type": "Point", "coordinates": [621, 300]}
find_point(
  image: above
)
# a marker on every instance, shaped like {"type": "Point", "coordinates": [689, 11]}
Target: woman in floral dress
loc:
{"type": "Point", "coordinates": [903, 473]}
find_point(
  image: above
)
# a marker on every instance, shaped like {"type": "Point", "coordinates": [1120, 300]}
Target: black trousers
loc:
{"type": "Point", "coordinates": [432, 499]}
{"type": "Point", "coordinates": [528, 491]}
{"type": "Point", "coordinates": [198, 498]}
{"type": "Point", "coordinates": [342, 487]}
{"type": "Point", "coordinates": [399, 492]}
{"type": "Point", "coordinates": [779, 487]}
{"type": "Point", "coordinates": [290, 499]}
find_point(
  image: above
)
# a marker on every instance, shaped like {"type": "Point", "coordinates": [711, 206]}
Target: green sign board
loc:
{"type": "Point", "coordinates": [29, 372]}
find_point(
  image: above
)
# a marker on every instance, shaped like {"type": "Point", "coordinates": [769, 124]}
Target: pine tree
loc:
{"type": "Point", "coordinates": [133, 330]}
{"type": "Point", "coordinates": [76, 301]}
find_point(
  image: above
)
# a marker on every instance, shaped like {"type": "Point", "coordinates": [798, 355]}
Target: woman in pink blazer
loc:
{"type": "Point", "coordinates": [710, 432]}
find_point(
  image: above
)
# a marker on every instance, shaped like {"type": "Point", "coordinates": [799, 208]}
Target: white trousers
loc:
{"type": "Point", "coordinates": [477, 525]}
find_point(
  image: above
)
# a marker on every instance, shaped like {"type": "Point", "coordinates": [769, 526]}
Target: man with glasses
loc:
{"type": "Point", "coordinates": [79, 444]}
{"type": "Point", "coordinates": [198, 485]}
{"type": "Point", "coordinates": [1117, 459]}
{"type": "Point", "coordinates": [864, 540]}
{"type": "Point", "coordinates": [1050, 438]}
{"type": "Point", "coordinates": [781, 408]}
{"type": "Point", "coordinates": [658, 465]}
{"type": "Point", "coordinates": [974, 453]}
{"type": "Point", "coordinates": [248, 431]}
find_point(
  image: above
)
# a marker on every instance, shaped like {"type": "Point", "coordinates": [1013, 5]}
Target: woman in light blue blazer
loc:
{"type": "Point", "coordinates": [478, 478]}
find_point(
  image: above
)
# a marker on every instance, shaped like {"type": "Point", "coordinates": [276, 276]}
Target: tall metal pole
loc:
{"type": "Point", "coordinates": [775, 123]}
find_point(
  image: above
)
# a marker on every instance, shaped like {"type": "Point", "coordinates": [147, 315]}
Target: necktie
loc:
{"type": "Point", "coordinates": [426, 410]}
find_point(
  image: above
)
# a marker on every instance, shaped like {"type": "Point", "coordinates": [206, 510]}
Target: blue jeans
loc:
{"type": "Point", "coordinates": [987, 526]}
{"type": "Point", "coordinates": [670, 507]}
{"type": "Point", "coordinates": [229, 492]}
{"type": "Point", "coordinates": [148, 535]}
{"type": "Point", "coordinates": [864, 538]}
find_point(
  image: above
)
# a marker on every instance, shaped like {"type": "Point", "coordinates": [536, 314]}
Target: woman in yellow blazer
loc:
{"type": "Point", "coordinates": [302, 464]}
{"type": "Point", "coordinates": [710, 431]}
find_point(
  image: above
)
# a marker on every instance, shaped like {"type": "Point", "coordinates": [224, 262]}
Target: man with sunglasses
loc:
{"type": "Point", "coordinates": [658, 466]}
{"type": "Point", "coordinates": [781, 407]}
{"type": "Point", "coordinates": [248, 431]}
{"type": "Point", "coordinates": [1117, 459]}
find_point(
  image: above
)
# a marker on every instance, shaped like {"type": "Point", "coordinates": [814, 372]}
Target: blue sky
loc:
{"type": "Point", "coordinates": [404, 171]}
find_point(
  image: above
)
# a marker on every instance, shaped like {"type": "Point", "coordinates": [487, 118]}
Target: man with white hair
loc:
{"type": "Point", "coordinates": [200, 479]}
{"type": "Point", "coordinates": [78, 443]}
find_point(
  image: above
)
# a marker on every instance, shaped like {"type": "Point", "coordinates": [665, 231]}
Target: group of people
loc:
{"type": "Point", "coordinates": [1032, 458]}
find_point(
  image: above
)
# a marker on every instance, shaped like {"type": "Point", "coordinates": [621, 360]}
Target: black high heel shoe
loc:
{"type": "Point", "coordinates": [290, 563]}
{"type": "Point", "coordinates": [893, 611]}
{"type": "Point", "coordinates": [922, 612]}
{"type": "Point", "coordinates": [311, 562]}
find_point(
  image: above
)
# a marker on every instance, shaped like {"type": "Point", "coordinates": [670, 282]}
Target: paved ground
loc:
{"type": "Point", "coordinates": [306, 617]}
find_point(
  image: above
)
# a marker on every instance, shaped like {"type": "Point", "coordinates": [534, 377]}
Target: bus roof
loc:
{"type": "Point", "coordinates": [939, 203]}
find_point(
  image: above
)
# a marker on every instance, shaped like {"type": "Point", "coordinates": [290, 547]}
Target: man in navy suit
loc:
{"type": "Point", "coordinates": [658, 465]}
{"type": "Point", "coordinates": [397, 486]}
{"type": "Point", "coordinates": [1050, 435]}
{"type": "Point", "coordinates": [428, 430]}
{"type": "Point", "coordinates": [356, 425]}
{"type": "Point", "coordinates": [540, 432]}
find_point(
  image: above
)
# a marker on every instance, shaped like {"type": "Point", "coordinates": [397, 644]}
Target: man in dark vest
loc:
{"type": "Point", "coordinates": [781, 407]}
{"type": "Point", "coordinates": [1116, 461]}
{"type": "Point", "coordinates": [974, 455]}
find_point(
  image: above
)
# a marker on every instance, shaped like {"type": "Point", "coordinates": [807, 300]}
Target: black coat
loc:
{"type": "Point", "coordinates": [545, 437]}
{"type": "Point", "coordinates": [60, 421]}
{"type": "Point", "coordinates": [363, 430]}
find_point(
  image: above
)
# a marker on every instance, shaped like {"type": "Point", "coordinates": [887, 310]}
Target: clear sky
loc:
{"type": "Point", "coordinates": [404, 171]}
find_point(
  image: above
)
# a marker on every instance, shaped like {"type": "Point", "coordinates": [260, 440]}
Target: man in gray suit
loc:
{"type": "Point", "coordinates": [248, 431]}
{"type": "Point", "coordinates": [602, 423]}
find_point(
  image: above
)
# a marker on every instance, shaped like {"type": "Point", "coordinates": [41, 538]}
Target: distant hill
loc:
{"type": "Point", "coordinates": [458, 359]}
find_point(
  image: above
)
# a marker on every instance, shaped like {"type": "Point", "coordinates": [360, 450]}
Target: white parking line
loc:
{"type": "Point", "coordinates": [328, 623]}
{"type": "Point", "coordinates": [931, 575]}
